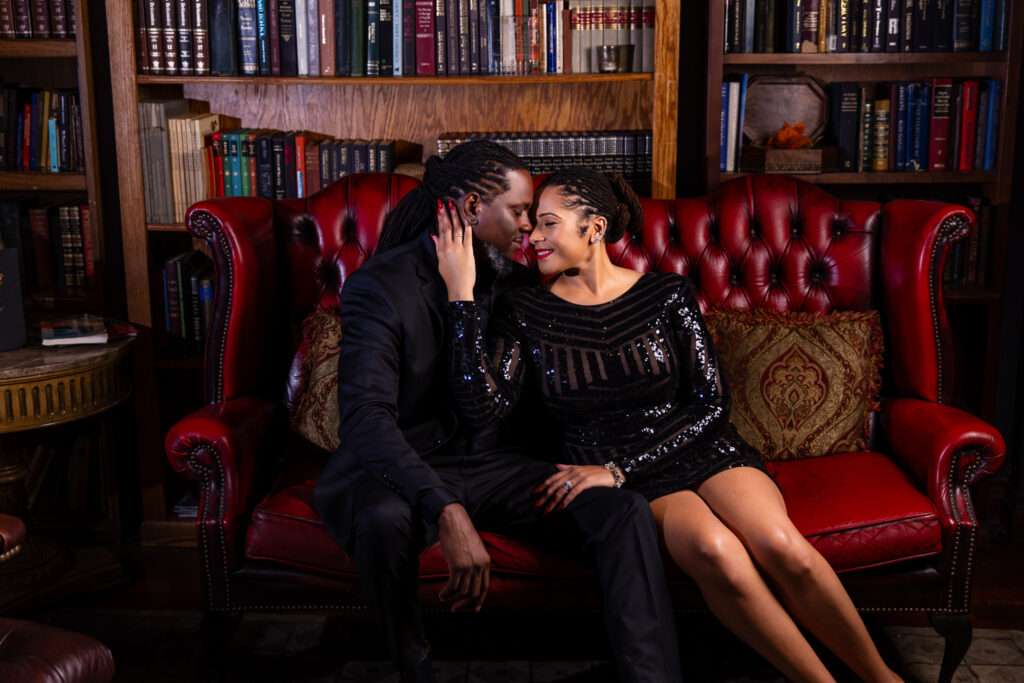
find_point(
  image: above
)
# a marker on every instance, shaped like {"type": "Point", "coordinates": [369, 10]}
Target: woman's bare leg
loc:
{"type": "Point", "coordinates": [750, 504]}
{"type": "Point", "coordinates": [711, 554]}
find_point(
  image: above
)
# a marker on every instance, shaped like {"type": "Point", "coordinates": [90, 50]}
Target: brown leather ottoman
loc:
{"type": "Point", "coordinates": [36, 653]}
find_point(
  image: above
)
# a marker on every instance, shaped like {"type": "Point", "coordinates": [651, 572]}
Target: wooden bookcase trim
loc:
{"type": "Point", "coordinates": [886, 59]}
{"type": "Point", "coordinates": [34, 181]}
{"type": "Point", "coordinates": [31, 47]}
{"type": "Point", "coordinates": [885, 178]}
{"type": "Point", "coordinates": [397, 81]}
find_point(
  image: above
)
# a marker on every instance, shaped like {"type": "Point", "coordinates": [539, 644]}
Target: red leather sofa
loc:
{"type": "Point", "coordinates": [895, 521]}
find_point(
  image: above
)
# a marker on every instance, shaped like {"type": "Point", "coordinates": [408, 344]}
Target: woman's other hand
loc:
{"type": "Point", "coordinates": [455, 261]}
{"type": "Point", "coordinates": [561, 488]}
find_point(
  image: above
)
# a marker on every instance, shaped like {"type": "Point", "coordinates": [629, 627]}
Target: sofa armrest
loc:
{"type": "Point", "coordinates": [916, 236]}
{"type": "Point", "coordinates": [239, 232]}
{"type": "Point", "coordinates": [223, 446]}
{"type": "Point", "coordinates": [944, 448]}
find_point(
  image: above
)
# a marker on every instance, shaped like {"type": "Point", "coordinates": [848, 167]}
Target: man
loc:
{"type": "Point", "coordinates": [409, 472]}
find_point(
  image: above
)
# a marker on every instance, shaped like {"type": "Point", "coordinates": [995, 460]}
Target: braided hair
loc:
{"type": "Point", "coordinates": [479, 166]}
{"type": "Point", "coordinates": [591, 193]}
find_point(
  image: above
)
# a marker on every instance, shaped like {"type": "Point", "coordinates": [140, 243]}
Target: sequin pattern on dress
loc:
{"type": "Point", "coordinates": [634, 380]}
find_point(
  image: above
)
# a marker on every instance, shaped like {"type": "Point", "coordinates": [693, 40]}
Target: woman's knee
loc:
{"type": "Point", "coordinates": [714, 556]}
{"type": "Point", "coordinates": [785, 554]}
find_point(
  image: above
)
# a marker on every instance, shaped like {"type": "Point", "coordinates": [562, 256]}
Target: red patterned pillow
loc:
{"type": "Point", "coordinates": [315, 380]}
{"type": "Point", "coordinates": [802, 384]}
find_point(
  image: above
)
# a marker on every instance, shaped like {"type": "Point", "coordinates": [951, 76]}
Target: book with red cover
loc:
{"type": "Point", "coordinates": [218, 163]}
{"type": "Point", "coordinates": [425, 62]}
{"type": "Point", "coordinates": [938, 141]}
{"type": "Point", "coordinates": [40, 18]}
{"type": "Point", "coordinates": [22, 19]}
{"type": "Point", "coordinates": [968, 125]}
{"type": "Point", "coordinates": [59, 19]}
{"type": "Point", "coordinates": [328, 41]}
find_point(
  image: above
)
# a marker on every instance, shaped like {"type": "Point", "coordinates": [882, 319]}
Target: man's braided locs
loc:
{"type": "Point", "coordinates": [479, 166]}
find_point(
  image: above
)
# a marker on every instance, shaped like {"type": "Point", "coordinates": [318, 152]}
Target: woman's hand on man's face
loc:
{"type": "Point", "coordinates": [455, 260]}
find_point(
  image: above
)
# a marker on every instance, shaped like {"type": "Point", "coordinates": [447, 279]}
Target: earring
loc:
{"type": "Point", "coordinates": [472, 220]}
{"type": "Point", "coordinates": [597, 238]}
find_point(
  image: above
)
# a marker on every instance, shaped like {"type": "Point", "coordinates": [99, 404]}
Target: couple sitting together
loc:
{"type": "Point", "coordinates": [446, 338]}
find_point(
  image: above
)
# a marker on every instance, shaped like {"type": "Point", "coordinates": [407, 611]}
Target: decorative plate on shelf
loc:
{"type": "Point", "coordinates": [773, 100]}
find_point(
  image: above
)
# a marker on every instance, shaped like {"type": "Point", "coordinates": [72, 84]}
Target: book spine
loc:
{"type": "Point", "coordinates": [200, 38]}
{"type": "Point", "coordinates": [312, 19]}
{"type": "Point", "coordinates": [880, 136]}
{"type": "Point", "coordinates": [22, 18]}
{"type": "Point", "coordinates": [397, 40]}
{"type": "Point", "coordinates": [898, 122]}
{"type": "Point", "coordinates": [183, 10]}
{"type": "Point", "coordinates": [58, 19]}
{"type": "Point", "coordinates": [372, 37]}
{"type": "Point", "coordinates": [312, 168]}
{"type": "Point", "coordinates": [724, 129]}
{"type": "Point", "coordinates": [907, 24]}
{"type": "Point", "coordinates": [286, 25]}
{"type": "Point", "coordinates": [955, 127]}
{"type": "Point", "coordinates": [7, 20]}
{"type": "Point", "coordinates": [809, 18]}
{"type": "Point", "coordinates": [440, 38]}
{"type": "Point", "coordinates": [301, 38]}
{"type": "Point", "coordinates": [474, 36]}
{"type": "Point", "coordinates": [425, 64]}
{"type": "Point", "coordinates": [358, 27]}
{"type": "Point", "coordinates": [342, 49]}
{"type": "Point", "coordinates": [981, 127]}
{"type": "Point", "coordinates": [290, 174]}
{"type": "Point", "coordinates": [924, 25]}
{"type": "Point", "coordinates": [451, 13]}
{"type": "Point", "coordinates": [40, 18]}
{"type": "Point", "coordinates": [223, 38]}
{"type": "Point", "coordinates": [43, 247]}
{"type": "Point", "coordinates": [917, 159]}
{"type": "Point", "coordinates": [328, 41]}
{"type": "Point", "coordinates": [168, 15]}
{"type": "Point", "coordinates": [386, 37]}
{"type": "Point", "coordinates": [247, 37]}
{"type": "Point", "coordinates": [942, 26]}
{"type": "Point", "coordinates": [879, 25]}
{"type": "Point", "coordinates": [274, 36]}
{"type": "Point", "coordinates": [992, 134]}
{"type": "Point", "coordinates": [963, 26]}
{"type": "Point", "coordinates": [986, 16]}
{"type": "Point", "coordinates": [263, 37]}
{"type": "Point", "coordinates": [865, 131]}
{"type": "Point", "coordinates": [938, 143]}
{"type": "Point", "coordinates": [409, 37]}
{"type": "Point", "coordinates": [969, 121]}
{"type": "Point", "coordinates": [264, 167]}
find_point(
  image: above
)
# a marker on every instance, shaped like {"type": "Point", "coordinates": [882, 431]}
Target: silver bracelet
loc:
{"type": "Point", "coordinates": [616, 472]}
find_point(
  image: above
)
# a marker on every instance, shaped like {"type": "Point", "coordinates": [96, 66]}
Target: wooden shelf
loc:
{"type": "Point", "coordinates": [889, 178]}
{"type": "Point", "coordinates": [166, 227]}
{"type": "Point", "coordinates": [887, 59]}
{"type": "Point", "coordinates": [172, 532]}
{"type": "Point", "coordinates": [34, 48]}
{"type": "Point", "coordinates": [397, 80]}
{"type": "Point", "coordinates": [970, 295]}
{"type": "Point", "coordinates": [42, 182]}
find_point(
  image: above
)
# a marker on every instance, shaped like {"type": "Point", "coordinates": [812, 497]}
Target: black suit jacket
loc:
{"type": "Point", "coordinates": [395, 403]}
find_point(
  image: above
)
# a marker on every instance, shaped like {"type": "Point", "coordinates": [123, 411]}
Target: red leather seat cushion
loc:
{"type": "Point", "coordinates": [858, 509]}
{"type": "Point", "coordinates": [827, 499]}
{"type": "Point", "coordinates": [287, 530]}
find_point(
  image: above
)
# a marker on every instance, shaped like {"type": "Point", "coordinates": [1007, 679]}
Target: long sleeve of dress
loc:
{"type": "Point", "coordinates": [703, 401]}
{"type": "Point", "coordinates": [486, 374]}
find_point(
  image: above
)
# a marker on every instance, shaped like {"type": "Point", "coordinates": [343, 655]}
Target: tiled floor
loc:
{"type": "Point", "coordinates": [163, 646]}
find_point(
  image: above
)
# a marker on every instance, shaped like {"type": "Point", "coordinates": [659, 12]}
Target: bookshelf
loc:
{"type": "Point", "coordinates": [413, 108]}
{"type": "Point", "coordinates": [76, 63]}
{"type": "Point", "coordinates": [971, 308]}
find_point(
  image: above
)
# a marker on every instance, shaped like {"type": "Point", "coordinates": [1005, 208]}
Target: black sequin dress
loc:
{"type": "Point", "coordinates": [634, 380]}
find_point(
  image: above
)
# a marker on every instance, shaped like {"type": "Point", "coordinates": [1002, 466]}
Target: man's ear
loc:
{"type": "Point", "coordinates": [472, 203]}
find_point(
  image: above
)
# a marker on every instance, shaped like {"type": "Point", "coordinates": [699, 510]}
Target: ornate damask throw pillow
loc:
{"type": "Point", "coordinates": [315, 380]}
{"type": "Point", "coordinates": [802, 384]}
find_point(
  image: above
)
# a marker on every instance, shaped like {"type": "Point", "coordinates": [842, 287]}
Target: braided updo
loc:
{"type": "Point", "coordinates": [591, 193]}
{"type": "Point", "coordinates": [479, 166]}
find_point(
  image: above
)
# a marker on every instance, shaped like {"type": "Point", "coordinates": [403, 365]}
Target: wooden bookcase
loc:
{"type": "Point", "coordinates": [410, 108]}
{"type": "Point", "coordinates": [76, 63]}
{"type": "Point", "coordinates": [970, 309]}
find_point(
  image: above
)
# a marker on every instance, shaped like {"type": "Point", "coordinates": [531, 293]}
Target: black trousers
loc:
{"type": "Point", "coordinates": [614, 527]}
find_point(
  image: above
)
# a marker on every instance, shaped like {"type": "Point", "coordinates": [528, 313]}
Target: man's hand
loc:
{"type": "Point", "coordinates": [468, 561]}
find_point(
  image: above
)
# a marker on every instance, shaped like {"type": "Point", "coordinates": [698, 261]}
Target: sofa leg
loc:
{"type": "Point", "coordinates": [957, 630]}
{"type": "Point", "coordinates": [215, 632]}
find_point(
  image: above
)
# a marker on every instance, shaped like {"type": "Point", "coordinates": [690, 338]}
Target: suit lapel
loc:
{"type": "Point", "coordinates": [432, 287]}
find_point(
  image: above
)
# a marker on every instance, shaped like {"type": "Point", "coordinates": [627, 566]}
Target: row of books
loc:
{"type": "Point", "coordinates": [626, 152]}
{"type": "Point", "coordinates": [388, 37]}
{"type": "Point", "coordinates": [54, 241]}
{"type": "Point", "coordinates": [865, 25]}
{"type": "Point", "coordinates": [967, 264]}
{"type": "Point", "coordinates": [935, 125]}
{"type": "Point", "coordinates": [40, 130]}
{"type": "Point", "coordinates": [191, 157]}
{"type": "Point", "coordinates": [188, 300]}
{"type": "Point", "coordinates": [734, 101]}
{"type": "Point", "coordinates": [37, 19]}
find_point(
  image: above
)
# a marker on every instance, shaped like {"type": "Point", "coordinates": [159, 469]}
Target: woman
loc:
{"type": "Point", "coordinates": [623, 362]}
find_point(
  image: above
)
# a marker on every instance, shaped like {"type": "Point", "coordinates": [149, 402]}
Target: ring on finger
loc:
{"type": "Point", "coordinates": [567, 485]}
{"type": "Point", "coordinates": [458, 235]}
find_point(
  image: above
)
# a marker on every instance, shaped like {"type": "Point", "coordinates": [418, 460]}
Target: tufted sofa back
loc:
{"type": "Point", "coordinates": [762, 241]}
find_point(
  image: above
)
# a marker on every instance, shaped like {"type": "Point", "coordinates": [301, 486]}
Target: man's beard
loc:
{"type": "Point", "coordinates": [501, 264]}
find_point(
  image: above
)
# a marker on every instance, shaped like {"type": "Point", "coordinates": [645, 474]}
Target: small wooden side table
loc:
{"type": "Point", "coordinates": [40, 387]}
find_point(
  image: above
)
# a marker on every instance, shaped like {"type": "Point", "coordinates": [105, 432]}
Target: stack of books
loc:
{"type": "Point", "coordinates": [188, 301]}
{"type": "Point", "coordinates": [40, 130]}
{"type": "Point", "coordinates": [626, 152]}
{"type": "Point", "coordinates": [37, 19]}
{"type": "Point", "coordinates": [388, 37]}
{"type": "Point", "coordinates": [54, 241]}
{"type": "Point", "coordinates": [865, 25]}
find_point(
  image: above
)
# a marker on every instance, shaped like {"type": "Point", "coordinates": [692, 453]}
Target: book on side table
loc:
{"type": "Point", "coordinates": [84, 328]}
